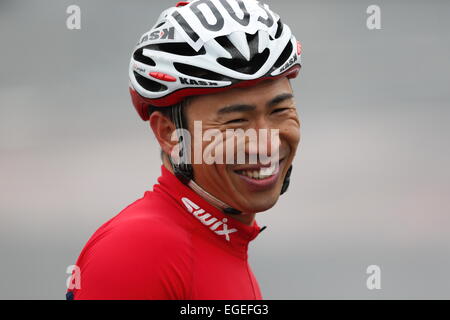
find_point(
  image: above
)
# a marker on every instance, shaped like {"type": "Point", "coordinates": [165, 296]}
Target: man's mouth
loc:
{"type": "Point", "coordinates": [259, 177]}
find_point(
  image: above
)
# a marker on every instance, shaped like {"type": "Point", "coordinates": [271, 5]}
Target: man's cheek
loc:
{"type": "Point", "coordinates": [292, 135]}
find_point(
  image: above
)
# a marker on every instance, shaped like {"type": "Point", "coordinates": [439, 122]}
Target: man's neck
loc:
{"type": "Point", "coordinates": [244, 218]}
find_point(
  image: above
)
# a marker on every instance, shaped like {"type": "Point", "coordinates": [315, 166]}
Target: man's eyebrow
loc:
{"type": "Point", "coordinates": [278, 99]}
{"type": "Point", "coordinates": [236, 108]}
{"type": "Point", "coordinates": [241, 107]}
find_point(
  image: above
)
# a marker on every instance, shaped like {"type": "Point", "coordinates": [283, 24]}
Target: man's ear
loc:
{"type": "Point", "coordinates": [163, 128]}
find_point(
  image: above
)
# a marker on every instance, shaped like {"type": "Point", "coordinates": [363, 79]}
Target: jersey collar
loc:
{"type": "Point", "coordinates": [231, 232]}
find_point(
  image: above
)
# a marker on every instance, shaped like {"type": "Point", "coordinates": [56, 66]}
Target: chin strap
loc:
{"type": "Point", "coordinates": [183, 169]}
{"type": "Point", "coordinates": [211, 199]}
{"type": "Point", "coordinates": [184, 172]}
{"type": "Point", "coordinates": [287, 180]}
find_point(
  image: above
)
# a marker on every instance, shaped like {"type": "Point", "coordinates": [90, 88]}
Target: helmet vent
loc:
{"type": "Point", "coordinates": [178, 48]}
{"type": "Point", "coordinates": [148, 84]}
{"type": "Point", "coordinates": [138, 56]}
{"type": "Point", "coordinates": [279, 29]}
{"type": "Point", "coordinates": [253, 41]}
{"type": "Point", "coordinates": [243, 66]}
{"type": "Point", "coordinates": [238, 62]}
{"type": "Point", "coordinates": [284, 56]}
{"type": "Point", "coordinates": [198, 72]}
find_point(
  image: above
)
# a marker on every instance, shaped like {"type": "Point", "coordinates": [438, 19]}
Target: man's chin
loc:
{"type": "Point", "coordinates": [259, 205]}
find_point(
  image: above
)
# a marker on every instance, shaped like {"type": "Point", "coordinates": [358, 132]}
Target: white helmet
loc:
{"type": "Point", "coordinates": [207, 46]}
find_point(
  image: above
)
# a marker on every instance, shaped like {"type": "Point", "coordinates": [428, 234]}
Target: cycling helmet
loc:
{"type": "Point", "coordinates": [207, 46]}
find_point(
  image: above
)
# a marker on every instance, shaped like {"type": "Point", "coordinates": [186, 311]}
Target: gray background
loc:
{"type": "Point", "coordinates": [370, 183]}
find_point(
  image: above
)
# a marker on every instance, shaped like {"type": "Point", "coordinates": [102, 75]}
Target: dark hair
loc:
{"type": "Point", "coordinates": [167, 112]}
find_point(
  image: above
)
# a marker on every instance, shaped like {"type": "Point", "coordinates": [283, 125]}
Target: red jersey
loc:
{"type": "Point", "coordinates": [170, 244]}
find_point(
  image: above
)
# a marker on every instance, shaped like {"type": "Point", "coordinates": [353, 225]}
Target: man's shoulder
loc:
{"type": "Point", "coordinates": [151, 212]}
{"type": "Point", "coordinates": [127, 256]}
{"type": "Point", "coordinates": [147, 225]}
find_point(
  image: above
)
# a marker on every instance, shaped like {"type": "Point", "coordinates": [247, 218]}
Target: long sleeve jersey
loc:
{"type": "Point", "coordinates": [170, 244]}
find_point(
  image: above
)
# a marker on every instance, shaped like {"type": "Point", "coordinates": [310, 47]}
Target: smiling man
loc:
{"type": "Point", "coordinates": [225, 65]}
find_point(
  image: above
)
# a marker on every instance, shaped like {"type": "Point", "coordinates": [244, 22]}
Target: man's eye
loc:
{"type": "Point", "coordinates": [235, 121]}
{"type": "Point", "coordinates": [279, 110]}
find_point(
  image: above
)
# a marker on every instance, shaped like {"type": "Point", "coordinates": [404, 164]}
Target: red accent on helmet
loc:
{"type": "Point", "coordinates": [141, 104]}
{"type": "Point", "coordinates": [182, 3]}
{"type": "Point", "coordinates": [162, 76]}
{"type": "Point", "coordinates": [299, 48]}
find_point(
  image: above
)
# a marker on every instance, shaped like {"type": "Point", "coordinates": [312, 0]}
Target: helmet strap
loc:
{"type": "Point", "coordinates": [286, 181]}
{"type": "Point", "coordinates": [182, 169]}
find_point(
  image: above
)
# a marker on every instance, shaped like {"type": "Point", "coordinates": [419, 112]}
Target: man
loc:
{"type": "Point", "coordinates": [224, 66]}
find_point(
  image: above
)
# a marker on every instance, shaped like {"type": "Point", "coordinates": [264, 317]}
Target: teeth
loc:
{"type": "Point", "coordinates": [262, 173]}
{"type": "Point", "coordinates": [267, 171]}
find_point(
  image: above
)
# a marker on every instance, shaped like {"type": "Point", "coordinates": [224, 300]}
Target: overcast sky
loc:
{"type": "Point", "coordinates": [370, 184]}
